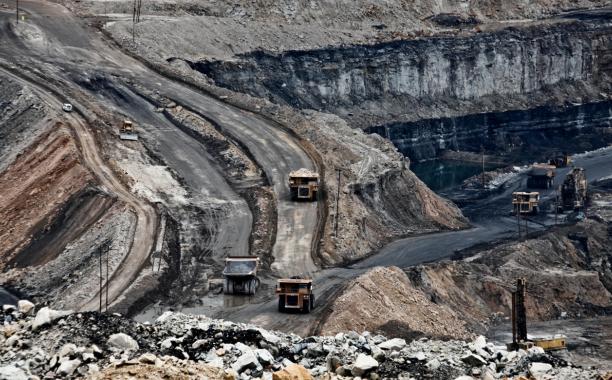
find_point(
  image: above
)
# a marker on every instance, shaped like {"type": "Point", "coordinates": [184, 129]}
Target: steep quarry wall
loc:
{"type": "Point", "coordinates": [393, 79]}
{"type": "Point", "coordinates": [435, 89]}
{"type": "Point", "coordinates": [504, 132]}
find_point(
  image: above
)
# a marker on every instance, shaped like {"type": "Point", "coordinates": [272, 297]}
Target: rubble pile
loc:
{"type": "Point", "coordinates": [40, 342]}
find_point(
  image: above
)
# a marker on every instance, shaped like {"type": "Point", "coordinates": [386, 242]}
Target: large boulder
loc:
{"type": "Point", "coordinates": [25, 306]}
{"type": "Point", "coordinates": [245, 361]}
{"type": "Point", "coordinates": [537, 369]}
{"type": "Point", "coordinates": [10, 372]}
{"type": "Point", "coordinates": [473, 360]}
{"type": "Point", "coordinates": [46, 316]}
{"type": "Point", "coordinates": [292, 372]}
{"type": "Point", "coordinates": [363, 364]}
{"type": "Point", "coordinates": [68, 367]}
{"type": "Point", "coordinates": [395, 344]}
{"type": "Point", "coordinates": [122, 342]}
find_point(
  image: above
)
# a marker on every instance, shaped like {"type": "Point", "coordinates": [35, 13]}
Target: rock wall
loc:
{"type": "Point", "coordinates": [398, 77]}
{"type": "Point", "coordinates": [502, 132]}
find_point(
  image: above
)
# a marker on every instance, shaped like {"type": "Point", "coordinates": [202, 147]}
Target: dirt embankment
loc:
{"type": "Point", "coordinates": [35, 187]}
{"type": "Point", "coordinates": [567, 270]}
{"type": "Point", "coordinates": [380, 198]}
{"type": "Point", "coordinates": [408, 312]}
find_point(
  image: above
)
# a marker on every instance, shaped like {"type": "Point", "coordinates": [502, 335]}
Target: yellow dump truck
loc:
{"type": "Point", "coordinates": [541, 176]}
{"type": "Point", "coordinates": [295, 294]}
{"type": "Point", "coordinates": [240, 275]}
{"type": "Point", "coordinates": [304, 184]}
{"type": "Point", "coordinates": [525, 203]}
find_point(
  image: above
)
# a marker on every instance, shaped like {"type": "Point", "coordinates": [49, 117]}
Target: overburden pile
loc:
{"type": "Point", "coordinates": [46, 343]}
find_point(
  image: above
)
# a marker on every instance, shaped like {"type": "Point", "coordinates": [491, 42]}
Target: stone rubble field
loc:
{"type": "Point", "coordinates": [37, 343]}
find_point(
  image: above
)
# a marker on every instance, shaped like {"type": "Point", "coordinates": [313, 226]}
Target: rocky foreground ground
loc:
{"type": "Point", "coordinates": [44, 343]}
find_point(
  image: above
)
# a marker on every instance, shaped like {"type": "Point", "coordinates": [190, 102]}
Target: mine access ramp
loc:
{"type": "Point", "coordinates": [295, 294]}
{"type": "Point", "coordinates": [303, 184]}
{"type": "Point", "coordinates": [240, 275]}
{"type": "Point", "coordinates": [127, 131]}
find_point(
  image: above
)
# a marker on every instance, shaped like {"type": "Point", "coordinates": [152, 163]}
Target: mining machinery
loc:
{"type": "Point", "coordinates": [574, 190]}
{"type": "Point", "coordinates": [520, 340]}
{"type": "Point", "coordinates": [127, 131]}
{"type": "Point", "coordinates": [304, 184]}
{"type": "Point", "coordinates": [525, 203]}
{"type": "Point", "coordinates": [240, 275]}
{"type": "Point", "coordinates": [541, 176]}
{"type": "Point", "coordinates": [295, 294]}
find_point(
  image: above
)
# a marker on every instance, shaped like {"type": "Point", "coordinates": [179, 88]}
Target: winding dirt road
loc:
{"type": "Point", "coordinates": [146, 226]}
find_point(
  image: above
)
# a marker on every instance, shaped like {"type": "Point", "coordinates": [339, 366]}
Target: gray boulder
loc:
{"type": "Point", "coordinates": [395, 344]}
{"type": "Point", "coordinates": [10, 372]}
{"type": "Point", "coordinates": [363, 364]}
{"type": "Point", "coordinates": [25, 306]}
{"type": "Point", "coordinates": [537, 369]}
{"type": "Point", "coordinates": [122, 342]}
{"type": "Point", "coordinates": [68, 367]}
{"type": "Point", "coordinates": [473, 360]}
{"type": "Point", "coordinates": [46, 316]}
{"type": "Point", "coordinates": [245, 361]}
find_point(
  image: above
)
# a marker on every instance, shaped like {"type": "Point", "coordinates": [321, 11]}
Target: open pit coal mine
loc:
{"type": "Point", "coordinates": [319, 210]}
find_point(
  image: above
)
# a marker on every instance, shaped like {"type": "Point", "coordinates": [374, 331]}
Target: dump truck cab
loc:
{"type": "Point", "coordinates": [240, 275]}
{"type": "Point", "coordinates": [127, 131]}
{"type": "Point", "coordinates": [541, 176]}
{"type": "Point", "coordinates": [525, 203]}
{"type": "Point", "coordinates": [295, 294]}
{"type": "Point", "coordinates": [304, 184]}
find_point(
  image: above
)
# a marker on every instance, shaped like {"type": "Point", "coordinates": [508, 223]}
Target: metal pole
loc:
{"type": "Point", "coordinates": [100, 257]}
{"type": "Point", "coordinates": [518, 221]}
{"type": "Point", "coordinates": [483, 168]}
{"type": "Point", "coordinates": [107, 253]}
{"type": "Point", "coordinates": [337, 205]}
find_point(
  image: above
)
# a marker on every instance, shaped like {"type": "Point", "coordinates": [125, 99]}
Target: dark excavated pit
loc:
{"type": "Point", "coordinates": [440, 174]}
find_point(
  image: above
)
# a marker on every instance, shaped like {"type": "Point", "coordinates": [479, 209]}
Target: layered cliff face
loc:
{"type": "Point", "coordinates": [505, 133]}
{"type": "Point", "coordinates": [395, 80]}
{"type": "Point", "coordinates": [428, 95]}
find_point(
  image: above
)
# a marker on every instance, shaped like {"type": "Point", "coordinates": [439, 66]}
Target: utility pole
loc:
{"type": "Point", "coordinates": [100, 292]}
{"type": "Point", "coordinates": [337, 204]}
{"type": "Point", "coordinates": [483, 166]}
{"type": "Point", "coordinates": [17, 10]}
{"type": "Point", "coordinates": [107, 253]}
{"type": "Point", "coordinates": [518, 221]}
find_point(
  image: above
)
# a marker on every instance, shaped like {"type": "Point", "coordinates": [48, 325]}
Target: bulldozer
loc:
{"type": "Point", "coordinates": [525, 203]}
{"type": "Point", "coordinates": [295, 294]}
{"type": "Point", "coordinates": [303, 184]}
{"type": "Point", "coordinates": [541, 176]}
{"type": "Point", "coordinates": [127, 132]}
{"type": "Point", "coordinates": [240, 275]}
{"type": "Point", "coordinates": [519, 325]}
{"type": "Point", "coordinates": [574, 190]}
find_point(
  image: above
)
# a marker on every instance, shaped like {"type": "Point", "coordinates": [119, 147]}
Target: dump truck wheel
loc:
{"type": "Point", "coordinates": [536, 209]}
{"type": "Point", "coordinates": [252, 286]}
{"type": "Point", "coordinates": [230, 286]}
{"type": "Point", "coordinates": [314, 195]}
{"type": "Point", "coordinates": [306, 307]}
{"type": "Point", "coordinates": [281, 304]}
{"type": "Point", "coordinates": [226, 286]}
{"type": "Point", "coordinates": [312, 301]}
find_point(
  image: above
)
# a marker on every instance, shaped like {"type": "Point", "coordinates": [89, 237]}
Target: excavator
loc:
{"type": "Point", "coordinates": [240, 275]}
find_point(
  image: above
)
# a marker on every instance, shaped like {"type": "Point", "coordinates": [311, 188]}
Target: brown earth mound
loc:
{"type": "Point", "coordinates": [34, 188]}
{"type": "Point", "coordinates": [385, 301]}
